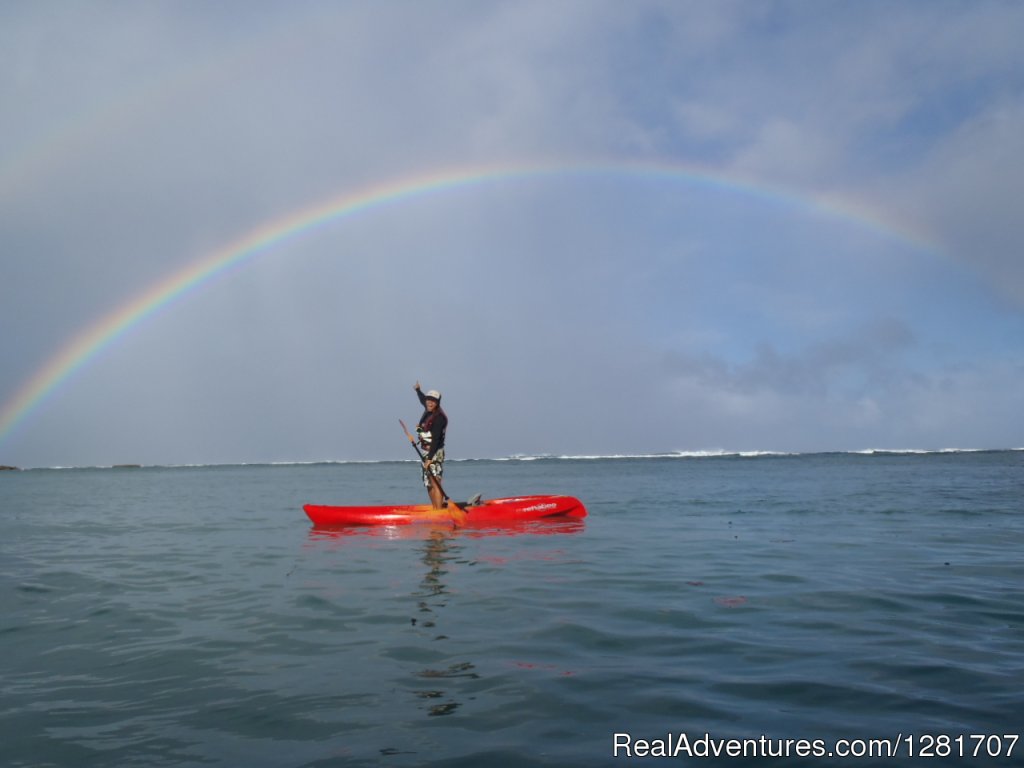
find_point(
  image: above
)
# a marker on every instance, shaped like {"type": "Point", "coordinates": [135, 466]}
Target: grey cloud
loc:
{"type": "Point", "coordinates": [140, 138]}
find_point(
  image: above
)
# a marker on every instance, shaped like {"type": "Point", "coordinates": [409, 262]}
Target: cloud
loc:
{"type": "Point", "coordinates": [567, 314]}
{"type": "Point", "coordinates": [969, 191]}
{"type": "Point", "coordinates": [795, 403]}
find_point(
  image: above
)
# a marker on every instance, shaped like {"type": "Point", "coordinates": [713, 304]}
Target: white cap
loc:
{"type": "Point", "coordinates": [434, 395]}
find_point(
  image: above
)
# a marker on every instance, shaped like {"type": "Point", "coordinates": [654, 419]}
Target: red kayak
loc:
{"type": "Point", "coordinates": [491, 512]}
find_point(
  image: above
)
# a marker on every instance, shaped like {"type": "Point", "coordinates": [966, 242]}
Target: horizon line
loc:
{"type": "Point", "coordinates": [670, 455]}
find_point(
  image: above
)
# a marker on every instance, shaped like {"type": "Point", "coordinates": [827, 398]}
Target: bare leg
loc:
{"type": "Point", "coordinates": [436, 497]}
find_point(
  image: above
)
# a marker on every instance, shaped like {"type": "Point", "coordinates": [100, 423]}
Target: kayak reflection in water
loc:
{"type": "Point", "coordinates": [432, 595]}
{"type": "Point", "coordinates": [430, 432]}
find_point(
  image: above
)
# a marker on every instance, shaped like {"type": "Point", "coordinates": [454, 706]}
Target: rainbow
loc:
{"type": "Point", "coordinates": [87, 344]}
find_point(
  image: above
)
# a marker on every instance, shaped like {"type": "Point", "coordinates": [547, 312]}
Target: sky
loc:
{"type": "Point", "coordinates": [242, 231]}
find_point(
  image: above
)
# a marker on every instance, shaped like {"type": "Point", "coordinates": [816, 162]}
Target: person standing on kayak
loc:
{"type": "Point", "coordinates": [430, 432]}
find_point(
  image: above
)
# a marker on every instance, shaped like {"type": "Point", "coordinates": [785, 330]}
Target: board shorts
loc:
{"type": "Point", "coordinates": [436, 468]}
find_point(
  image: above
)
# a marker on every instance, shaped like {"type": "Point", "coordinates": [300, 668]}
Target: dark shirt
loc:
{"type": "Point", "coordinates": [435, 423]}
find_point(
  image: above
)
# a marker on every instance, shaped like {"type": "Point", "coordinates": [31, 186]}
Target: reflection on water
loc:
{"type": "Point", "coordinates": [541, 527]}
{"type": "Point", "coordinates": [439, 549]}
{"type": "Point", "coordinates": [441, 546]}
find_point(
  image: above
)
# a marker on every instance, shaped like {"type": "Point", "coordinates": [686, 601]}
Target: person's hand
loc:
{"type": "Point", "coordinates": [417, 387]}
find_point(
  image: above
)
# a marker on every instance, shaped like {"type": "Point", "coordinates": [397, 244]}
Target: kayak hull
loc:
{"type": "Point", "coordinates": [491, 512]}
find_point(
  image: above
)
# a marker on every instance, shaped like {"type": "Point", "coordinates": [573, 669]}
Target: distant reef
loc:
{"type": "Point", "coordinates": [127, 466]}
{"type": "Point", "coordinates": [2, 468]}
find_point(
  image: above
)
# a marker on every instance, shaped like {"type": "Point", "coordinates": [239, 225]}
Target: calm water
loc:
{"type": "Point", "coordinates": [191, 617]}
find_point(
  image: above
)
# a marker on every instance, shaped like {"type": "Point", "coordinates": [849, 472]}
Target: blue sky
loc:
{"type": "Point", "coordinates": [805, 234]}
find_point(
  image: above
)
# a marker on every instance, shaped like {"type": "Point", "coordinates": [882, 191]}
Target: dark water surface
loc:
{"type": "Point", "coordinates": [191, 616]}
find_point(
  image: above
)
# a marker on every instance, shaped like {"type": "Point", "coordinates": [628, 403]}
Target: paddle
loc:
{"type": "Point", "coordinates": [458, 513]}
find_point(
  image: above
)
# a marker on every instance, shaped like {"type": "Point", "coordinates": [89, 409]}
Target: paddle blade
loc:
{"type": "Point", "coordinates": [458, 513]}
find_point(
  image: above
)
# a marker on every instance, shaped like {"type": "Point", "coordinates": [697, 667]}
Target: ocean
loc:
{"type": "Point", "coordinates": [767, 609]}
